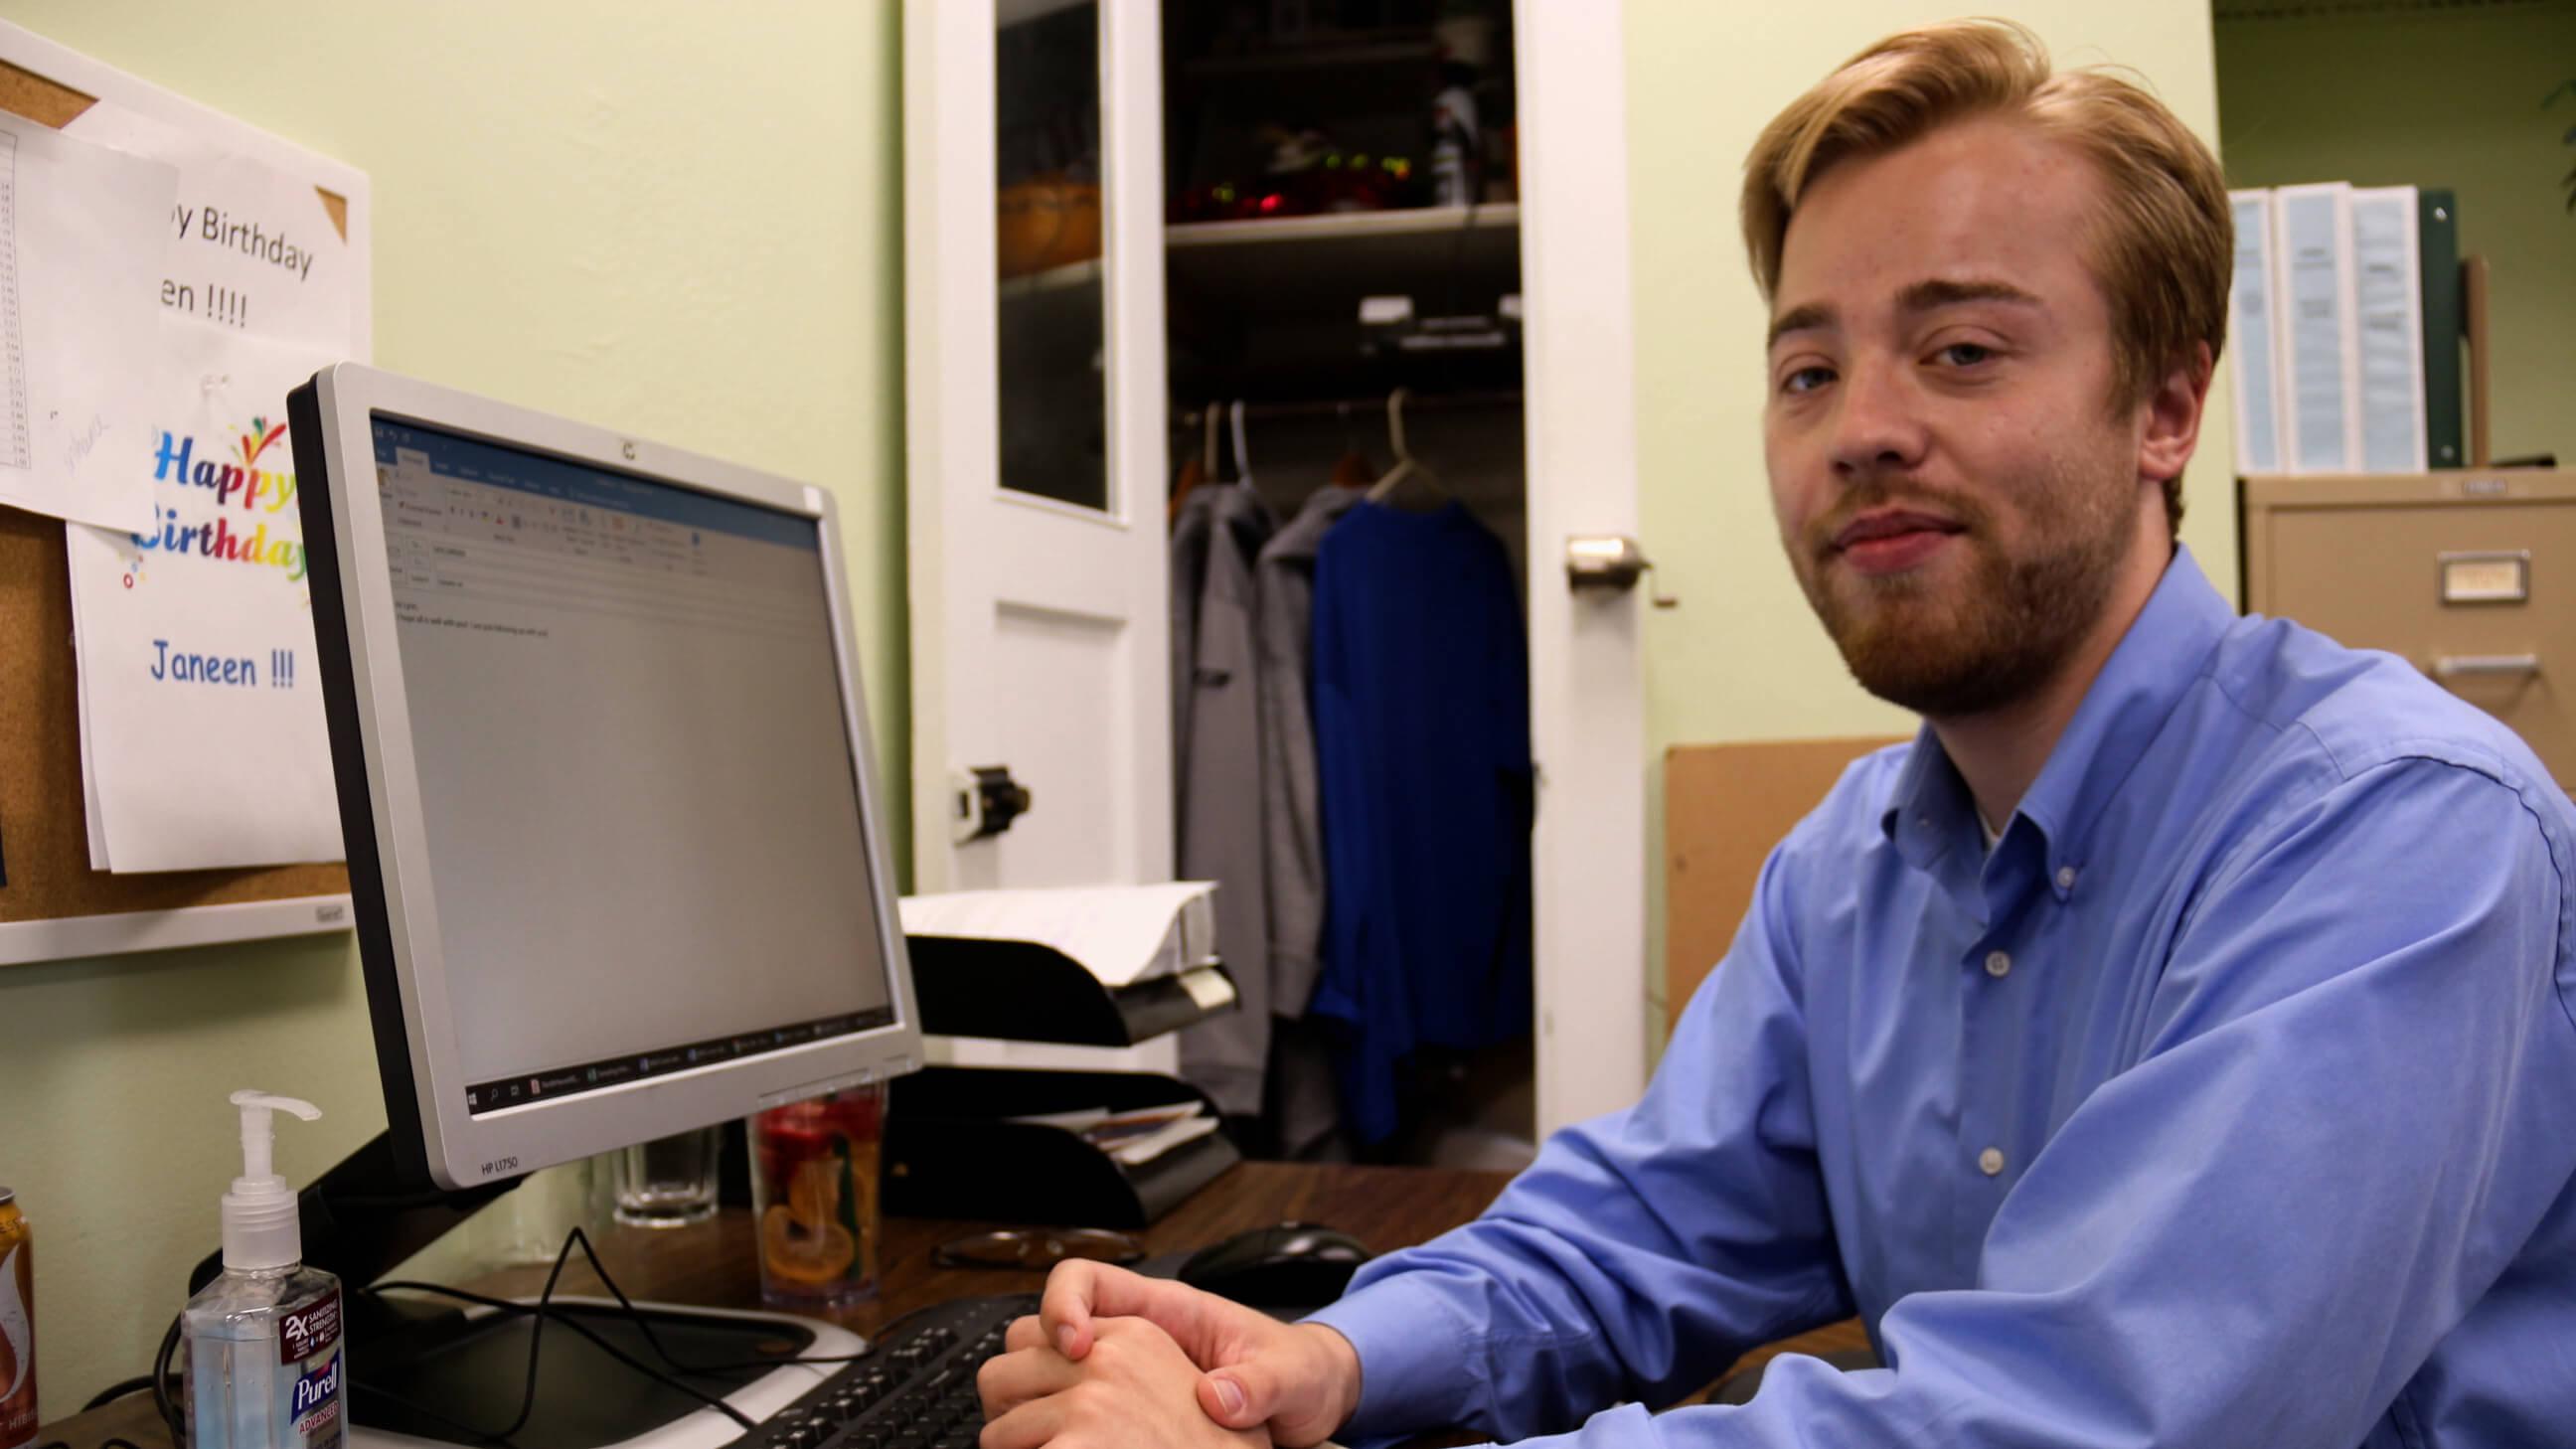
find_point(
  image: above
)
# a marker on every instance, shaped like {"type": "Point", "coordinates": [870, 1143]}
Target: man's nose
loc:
{"type": "Point", "coordinates": [1877, 424]}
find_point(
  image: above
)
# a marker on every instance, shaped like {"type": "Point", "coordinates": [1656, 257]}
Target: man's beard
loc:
{"type": "Point", "coordinates": [1951, 649]}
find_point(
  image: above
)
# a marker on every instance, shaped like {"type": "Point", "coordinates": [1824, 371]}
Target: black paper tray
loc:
{"type": "Point", "coordinates": [1022, 991]}
{"type": "Point", "coordinates": [948, 1154]}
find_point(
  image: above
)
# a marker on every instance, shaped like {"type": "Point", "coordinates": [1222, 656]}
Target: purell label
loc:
{"type": "Point", "coordinates": [314, 1406]}
{"type": "Point", "coordinates": [310, 1330]}
{"type": "Point", "coordinates": [316, 1390]}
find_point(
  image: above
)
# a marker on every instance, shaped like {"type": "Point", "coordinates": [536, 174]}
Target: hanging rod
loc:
{"type": "Point", "coordinates": [1361, 409]}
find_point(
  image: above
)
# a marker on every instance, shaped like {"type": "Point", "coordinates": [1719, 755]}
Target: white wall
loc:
{"type": "Point", "coordinates": [673, 219]}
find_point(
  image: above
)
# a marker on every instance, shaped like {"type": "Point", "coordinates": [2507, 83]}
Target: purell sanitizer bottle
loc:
{"type": "Point", "coordinates": [265, 1368]}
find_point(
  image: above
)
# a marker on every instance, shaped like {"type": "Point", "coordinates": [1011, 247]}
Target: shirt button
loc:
{"type": "Point", "coordinates": [1997, 963]}
{"type": "Point", "coordinates": [2066, 877]}
{"type": "Point", "coordinates": [1991, 1161]}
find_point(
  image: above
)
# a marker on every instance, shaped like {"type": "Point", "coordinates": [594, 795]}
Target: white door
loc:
{"type": "Point", "coordinates": [1587, 690]}
{"type": "Point", "coordinates": [1039, 622]}
{"type": "Point", "coordinates": [1036, 508]}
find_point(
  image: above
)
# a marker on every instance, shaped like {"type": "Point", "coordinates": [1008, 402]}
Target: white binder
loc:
{"type": "Point", "coordinates": [2319, 350]}
{"type": "Point", "coordinates": [2388, 295]}
{"type": "Point", "coordinates": [2254, 324]}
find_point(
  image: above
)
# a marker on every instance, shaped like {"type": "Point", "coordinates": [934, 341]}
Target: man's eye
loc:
{"type": "Point", "coordinates": [1966, 354]}
{"type": "Point", "coordinates": [1807, 379]}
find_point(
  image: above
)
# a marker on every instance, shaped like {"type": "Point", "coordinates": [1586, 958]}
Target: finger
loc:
{"type": "Point", "coordinates": [1295, 1384]}
{"type": "Point", "coordinates": [1025, 1427]}
{"type": "Point", "coordinates": [1240, 1395]}
{"type": "Point", "coordinates": [1080, 1290]}
{"type": "Point", "coordinates": [1025, 1332]}
{"type": "Point", "coordinates": [1222, 1398]}
{"type": "Point", "coordinates": [1009, 1380]}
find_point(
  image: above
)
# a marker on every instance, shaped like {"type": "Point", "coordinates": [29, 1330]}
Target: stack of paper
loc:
{"type": "Point", "coordinates": [1120, 934]}
{"type": "Point", "coordinates": [1135, 1137]}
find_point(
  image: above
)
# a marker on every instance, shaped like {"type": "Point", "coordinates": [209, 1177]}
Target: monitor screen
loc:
{"type": "Point", "coordinates": [622, 853]}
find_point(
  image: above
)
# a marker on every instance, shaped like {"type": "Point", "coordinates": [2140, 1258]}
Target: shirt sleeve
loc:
{"type": "Point", "coordinates": [2348, 1120]}
{"type": "Point", "coordinates": [1641, 1253]}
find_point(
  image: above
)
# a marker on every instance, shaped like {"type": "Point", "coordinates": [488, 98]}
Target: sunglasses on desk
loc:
{"type": "Point", "coordinates": [1038, 1248]}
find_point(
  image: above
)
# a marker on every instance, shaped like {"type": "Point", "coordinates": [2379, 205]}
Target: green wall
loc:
{"type": "Point", "coordinates": [2450, 98]}
{"type": "Point", "coordinates": [1742, 658]}
{"type": "Point", "coordinates": [664, 217]}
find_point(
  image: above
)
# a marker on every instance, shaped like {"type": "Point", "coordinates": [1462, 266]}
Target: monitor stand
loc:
{"type": "Point", "coordinates": [586, 1399]}
{"type": "Point", "coordinates": [366, 1216]}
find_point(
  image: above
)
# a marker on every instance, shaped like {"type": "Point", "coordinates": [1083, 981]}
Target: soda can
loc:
{"type": "Point", "coordinates": [17, 1325]}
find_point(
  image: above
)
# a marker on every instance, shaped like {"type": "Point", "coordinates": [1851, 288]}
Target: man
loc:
{"type": "Point", "coordinates": [2172, 1046]}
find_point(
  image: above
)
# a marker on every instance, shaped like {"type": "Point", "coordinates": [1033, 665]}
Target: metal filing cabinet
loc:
{"type": "Point", "coordinates": [2471, 575]}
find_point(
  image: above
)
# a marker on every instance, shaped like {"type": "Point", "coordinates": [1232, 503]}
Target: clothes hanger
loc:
{"type": "Point", "coordinates": [1407, 467]}
{"type": "Point", "coordinates": [1242, 455]}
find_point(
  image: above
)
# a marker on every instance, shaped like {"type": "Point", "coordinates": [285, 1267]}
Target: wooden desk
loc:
{"type": "Point", "coordinates": [713, 1263]}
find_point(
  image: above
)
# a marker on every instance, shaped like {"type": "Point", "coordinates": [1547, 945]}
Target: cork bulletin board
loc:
{"type": "Point", "coordinates": [52, 904]}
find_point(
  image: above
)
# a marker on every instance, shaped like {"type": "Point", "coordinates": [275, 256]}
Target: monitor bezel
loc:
{"type": "Point", "coordinates": [391, 874]}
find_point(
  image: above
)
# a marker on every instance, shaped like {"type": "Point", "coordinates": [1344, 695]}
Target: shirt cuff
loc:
{"type": "Point", "coordinates": [1413, 1372]}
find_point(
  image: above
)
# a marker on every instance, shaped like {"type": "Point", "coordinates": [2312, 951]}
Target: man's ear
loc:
{"type": "Point", "coordinates": [2170, 416]}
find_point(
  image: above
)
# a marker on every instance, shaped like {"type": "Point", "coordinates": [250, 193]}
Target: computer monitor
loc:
{"type": "Point", "coordinates": [605, 779]}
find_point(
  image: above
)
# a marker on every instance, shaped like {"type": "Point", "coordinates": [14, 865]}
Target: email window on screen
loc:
{"type": "Point", "coordinates": [621, 690]}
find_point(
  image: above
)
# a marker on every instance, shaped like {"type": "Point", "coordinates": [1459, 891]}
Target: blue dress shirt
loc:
{"type": "Point", "coordinates": [2230, 1101]}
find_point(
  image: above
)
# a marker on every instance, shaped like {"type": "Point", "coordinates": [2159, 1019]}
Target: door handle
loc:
{"type": "Point", "coordinates": [983, 802]}
{"type": "Point", "coordinates": [1608, 561]}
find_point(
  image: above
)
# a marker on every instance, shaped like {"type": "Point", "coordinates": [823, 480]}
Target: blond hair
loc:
{"type": "Point", "coordinates": [2162, 244]}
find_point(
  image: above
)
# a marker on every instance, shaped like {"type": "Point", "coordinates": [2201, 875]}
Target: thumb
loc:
{"type": "Point", "coordinates": [1239, 1396]}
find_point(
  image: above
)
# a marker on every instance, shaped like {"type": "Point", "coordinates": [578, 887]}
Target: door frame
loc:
{"type": "Point", "coordinates": [1589, 849]}
{"type": "Point", "coordinates": [1588, 853]}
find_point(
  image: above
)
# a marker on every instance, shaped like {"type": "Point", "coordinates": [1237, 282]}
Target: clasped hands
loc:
{"type": "Point", "coordinates": [1115, 1360]}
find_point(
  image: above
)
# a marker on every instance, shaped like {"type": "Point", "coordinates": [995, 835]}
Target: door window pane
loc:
{"type": "Point", "coordinates": [1054, 402]}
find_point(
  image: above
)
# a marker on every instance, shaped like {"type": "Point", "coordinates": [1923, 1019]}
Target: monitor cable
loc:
{"type": "Point", "coordinates": [545, 1312]}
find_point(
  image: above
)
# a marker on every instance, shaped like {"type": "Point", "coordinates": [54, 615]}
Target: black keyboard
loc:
{"type": "Point", "coordinates": [917, 1391]}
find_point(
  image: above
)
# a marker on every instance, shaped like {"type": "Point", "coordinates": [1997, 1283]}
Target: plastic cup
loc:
{"type": "Point", "coordinates": [814, 1194]}
{"type": "Point", "coordinates": [669, 1182]}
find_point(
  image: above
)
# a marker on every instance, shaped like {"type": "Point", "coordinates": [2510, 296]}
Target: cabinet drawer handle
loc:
{"type": "Point", "coordinates": [2454, 666]}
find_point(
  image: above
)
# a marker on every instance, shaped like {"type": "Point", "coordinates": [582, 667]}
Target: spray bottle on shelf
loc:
{"type": "Point", "coordinates": [265, 1369]}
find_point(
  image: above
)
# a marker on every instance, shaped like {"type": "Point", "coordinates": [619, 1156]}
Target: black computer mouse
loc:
{"type": "Point", "coordinates": [1292, 1265]}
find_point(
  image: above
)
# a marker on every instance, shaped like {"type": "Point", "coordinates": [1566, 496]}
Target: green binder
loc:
{"type": "Point", "coordinates": [2437, 216]}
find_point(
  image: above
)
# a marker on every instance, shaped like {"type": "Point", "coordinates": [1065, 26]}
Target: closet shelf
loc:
{"type": "Point", "coordinates": [1341, 225]}
{"type": "Point", "coordinates": [1313, 270]}
{"type": "Point", "coordinates": [1053, 280]}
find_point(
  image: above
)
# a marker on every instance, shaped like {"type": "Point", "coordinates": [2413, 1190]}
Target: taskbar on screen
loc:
{"type": "Point", "coordinates": [545, 1086]}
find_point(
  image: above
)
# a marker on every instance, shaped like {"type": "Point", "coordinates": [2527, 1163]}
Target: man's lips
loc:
{"type": "Point", "coordinates": [1892, 523]}
{"type": "Point", "coordinates": [1892, 540]}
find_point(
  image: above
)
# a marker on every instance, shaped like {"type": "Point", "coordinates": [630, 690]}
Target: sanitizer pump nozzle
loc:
{"type": "Point", "coordinates": [260, 1229]}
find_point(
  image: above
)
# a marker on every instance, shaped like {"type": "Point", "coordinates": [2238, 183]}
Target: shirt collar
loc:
{"type": "Point", "coordinates": [2140, 685]}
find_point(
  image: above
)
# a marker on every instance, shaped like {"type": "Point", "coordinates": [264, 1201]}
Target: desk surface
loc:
{"type": "Point", "coordinates": [713, 1263]}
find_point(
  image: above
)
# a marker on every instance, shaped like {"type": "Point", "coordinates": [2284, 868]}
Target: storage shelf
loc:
{"type": "Point", "coordinates": [1271, 308]}
{"type": "Point", "coordinates": [1315, 269]}
{"type": "Point", "coordinates": [1054, 279]}
{"type": "Point", "coordinates": [1342, 225]}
